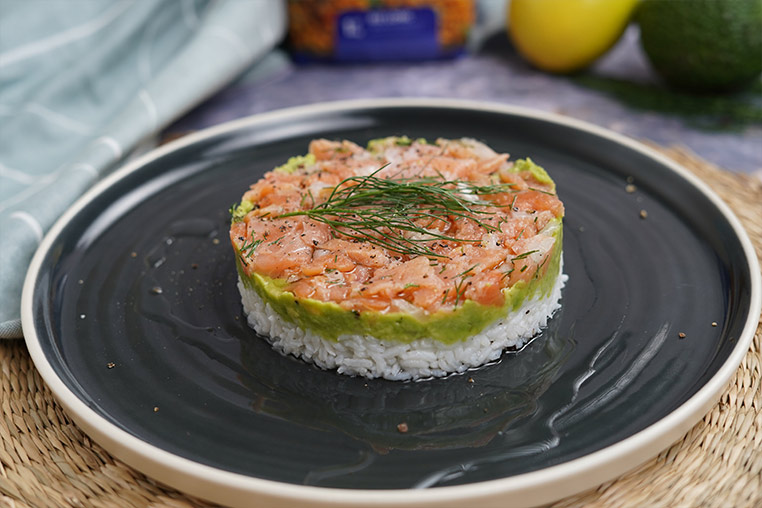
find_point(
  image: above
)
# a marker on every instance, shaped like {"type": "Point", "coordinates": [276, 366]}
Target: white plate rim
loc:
{"type": "Point", "coordinates": [527, 489]}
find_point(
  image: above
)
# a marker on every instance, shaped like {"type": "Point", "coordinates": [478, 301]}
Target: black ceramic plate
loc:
{"type": "Point", "coordinates": [132, 316]}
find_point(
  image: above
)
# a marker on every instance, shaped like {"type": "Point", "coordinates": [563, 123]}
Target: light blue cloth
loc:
{"type": "Point", "coordinates": [82, 83]}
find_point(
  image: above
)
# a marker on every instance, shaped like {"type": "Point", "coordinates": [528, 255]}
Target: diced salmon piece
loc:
{"type": "Point", "coordinates": [365, 254]}
{"type": "Point", "coordinates": [513, 179]}
{"type": "Point", "coordinates": [486, 288]}
{"type": "Point", "coordinates": [538, 201]}
{"type": "Point", "coordinates": [268, 259]}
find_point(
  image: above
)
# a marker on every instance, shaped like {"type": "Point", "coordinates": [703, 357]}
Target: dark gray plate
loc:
{"type": "Point", "coordinates": [132, 315]}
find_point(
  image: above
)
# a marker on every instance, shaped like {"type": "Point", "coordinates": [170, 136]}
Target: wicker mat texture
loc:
{"type": "Point", "coordinates": [46, 461]}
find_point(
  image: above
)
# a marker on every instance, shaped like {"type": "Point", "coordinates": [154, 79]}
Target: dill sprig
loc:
{"type": "Point", "coordinates": [522, 256]}
{"type": "Point", "coordinates": [389, 212]}
{"type": "Point", "coordinates": [459, 289]}
{"type": "Point", "coordinates": [249, 247]}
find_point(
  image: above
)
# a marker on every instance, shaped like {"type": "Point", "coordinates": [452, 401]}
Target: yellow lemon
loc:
{"type": "Point", "coordinates": [566, 35]}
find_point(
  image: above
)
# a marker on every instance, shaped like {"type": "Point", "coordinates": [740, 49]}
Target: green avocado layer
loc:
{"type": "Point", "coordinates": [329, 320]}
{"type": "Point", "coordinates": [537, 172]}
{"type": "Point", "coordinates": [295, 163]}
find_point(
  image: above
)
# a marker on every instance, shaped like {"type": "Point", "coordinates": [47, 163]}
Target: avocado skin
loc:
{"type": "Point", "coordinates": [703, 45]}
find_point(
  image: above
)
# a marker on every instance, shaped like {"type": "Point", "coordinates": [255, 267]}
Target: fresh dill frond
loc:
{"type": "Point", "coordinates": [389, 212]}
{"type": "Point", "coordinates": [466, 272]}
{"type": "Point", "coordinates": [249, 247]}
{"type": "Point", "coordinates": [305, 196]}
{"type": "Point", "coordinates": [459, 290]}
{"type": "Point", "coordinates": [522, 256]}
{"type": "Point", "coordinates": [539, 267]}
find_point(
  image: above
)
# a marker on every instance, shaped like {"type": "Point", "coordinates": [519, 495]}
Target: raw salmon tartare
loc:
{"type": "Point", "coordinates": [404, 259]}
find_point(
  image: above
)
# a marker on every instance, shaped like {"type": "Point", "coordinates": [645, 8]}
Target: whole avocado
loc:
{"type": "Point", "coordinates": [703, 45]}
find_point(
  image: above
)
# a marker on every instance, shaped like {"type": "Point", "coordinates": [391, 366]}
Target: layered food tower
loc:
{"type": "Point", "coordinates": [405, 259]}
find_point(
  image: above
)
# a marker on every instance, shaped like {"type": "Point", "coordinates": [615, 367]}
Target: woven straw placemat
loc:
{"type": "Point", "coordinates": [46, 461]}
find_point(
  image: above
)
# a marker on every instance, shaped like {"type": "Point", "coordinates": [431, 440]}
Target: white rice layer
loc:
{"type": "Point", "coordinates": [368, 356]}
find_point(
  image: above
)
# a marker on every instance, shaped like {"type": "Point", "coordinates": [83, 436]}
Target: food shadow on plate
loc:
{"type": "Point", "coordinates": [460, 410]}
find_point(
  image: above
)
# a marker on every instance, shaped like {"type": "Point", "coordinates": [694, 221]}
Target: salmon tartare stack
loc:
{"type": "Point", "coordinates": [405, 259]}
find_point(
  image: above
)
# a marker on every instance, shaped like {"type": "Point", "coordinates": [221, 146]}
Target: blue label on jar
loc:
{"type": "Point", "coordinates": [387, 34]}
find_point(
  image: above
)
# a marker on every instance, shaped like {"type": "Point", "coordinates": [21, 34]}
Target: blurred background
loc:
{"type": "Point", "coordinates": [85, 84]}
{"type": "Point", "coordinates": [583, 58]}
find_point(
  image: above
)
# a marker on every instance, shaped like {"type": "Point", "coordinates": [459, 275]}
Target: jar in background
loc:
{"type": "Point", "coordinates": [379, 30]}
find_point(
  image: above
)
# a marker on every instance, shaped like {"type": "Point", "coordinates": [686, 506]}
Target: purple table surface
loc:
{"type": "Point", "coordinates": [493, 73]}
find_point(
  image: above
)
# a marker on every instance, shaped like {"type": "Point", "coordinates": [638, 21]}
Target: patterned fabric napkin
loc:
{"type": "Point", "coordinates": [83, 82]}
